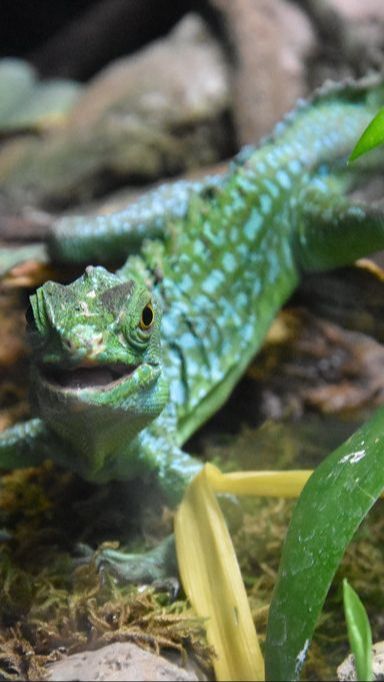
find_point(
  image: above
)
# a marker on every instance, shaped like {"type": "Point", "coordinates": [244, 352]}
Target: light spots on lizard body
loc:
{"type": "Point", "coordinates": [222, 306]}
{"type": "Point", "coordinates": [234, 260]}
{"type": "Point", "coordinates": [295, 166]}
{"type": "Point", "coordinates": [229, 262]}
{"type": "Point", "coordinates": [211, 285]}
{"type": "Point", "coordinates": [283, 179]}
{"type": "Point", "coordinates": [271, 187]}
{"type": "Point", "coordinates": [198, 248]}
{"type": "Point", "coordinates": [253, 225]}
{"type": "Point", "coordinates": [265, 203]}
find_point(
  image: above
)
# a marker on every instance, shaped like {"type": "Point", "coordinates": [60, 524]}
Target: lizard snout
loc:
{"type": "Point", "coordinates": [83, 343]}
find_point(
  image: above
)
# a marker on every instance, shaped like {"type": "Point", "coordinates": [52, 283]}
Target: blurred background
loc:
{"type": "Point", "coordinates": [99, 95]}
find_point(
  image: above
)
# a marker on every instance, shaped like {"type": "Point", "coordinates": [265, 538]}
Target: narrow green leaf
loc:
{"type": "Point", "coordinates": [333, 503]}
{"type": "Point", "coordinates": [372, 137]}
{"type": "Point", "coordinates": [359, 632]}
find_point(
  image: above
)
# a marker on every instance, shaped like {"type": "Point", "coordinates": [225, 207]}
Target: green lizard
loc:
{"type": "Point", "coordinates": [129, 365]}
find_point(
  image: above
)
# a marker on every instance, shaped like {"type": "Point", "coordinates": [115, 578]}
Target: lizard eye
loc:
{"type": "Point", "coordinates": [30, 319]}
{"type": "Point", "coordinates": [147, 317]}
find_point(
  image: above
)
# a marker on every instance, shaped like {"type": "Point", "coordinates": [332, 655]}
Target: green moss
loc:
{"type": "Point", "coordinates": [50, 607]}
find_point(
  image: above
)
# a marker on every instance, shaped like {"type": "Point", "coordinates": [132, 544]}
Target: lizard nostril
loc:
{"type": "Point", "coordinates": [69, 345]}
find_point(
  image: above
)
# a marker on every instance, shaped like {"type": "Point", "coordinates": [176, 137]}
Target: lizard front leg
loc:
{"type": "Point", "coordinates": [172, 470]}
{"type": "Point", "coordinates": [106, 238]}
{"type": "Point", "coordinates": [24, 445]}
{"type": "Point", "coordinates": [174, 473]}
{"type": "Point", "coordinates": [158, 564]}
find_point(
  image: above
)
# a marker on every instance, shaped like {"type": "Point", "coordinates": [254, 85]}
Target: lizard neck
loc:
{"type": "Point", "coordinates": [102, 433]}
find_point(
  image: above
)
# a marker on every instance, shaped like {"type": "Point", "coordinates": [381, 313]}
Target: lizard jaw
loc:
{"type": "Point", "coordinates": [96, 384]}
{"type": "Point", "coordinates": [86, 376]}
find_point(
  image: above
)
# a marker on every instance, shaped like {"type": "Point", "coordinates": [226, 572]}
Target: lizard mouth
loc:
{"type": "Point", "coordinates": [86, 377]}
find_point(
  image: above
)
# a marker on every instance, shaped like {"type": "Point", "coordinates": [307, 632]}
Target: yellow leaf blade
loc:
{"type": "Point", "coordinates": [212, 580]}
{"type": "Point", "coordinates": [288, 484]}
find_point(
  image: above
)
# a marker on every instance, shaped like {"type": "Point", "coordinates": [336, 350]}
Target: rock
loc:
{"type": "Point", "coordinates": [346, 672]}
{"type": "Point", "coordinates": [270, 41]}
{"type": "Point", "coordinates": [365, 26]}
{"type": "Point", "coordinates": [350, 38]}
{"type": "Point", "coordinates": [155, 113]}
{"type": "Point", "coordinates": [108, 29]}
{"type": "Point", "coordinates": [368, 11]}
{"type": "Point", "coordinates": [28, 104]}
{"type": "Point", "coordinates": [16, 82]}
{"type": "Point", "coordinates": [176, 81]}
{"type": "Point", "coordinates": [115, 662]}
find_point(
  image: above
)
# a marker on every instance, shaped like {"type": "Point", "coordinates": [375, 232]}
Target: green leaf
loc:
{"type": "Point", "coordinates": [372, 137]}
{"type": "Point", "coordinates": [359, 632]}
{"type": "Point", "coordinates": [333, 503]}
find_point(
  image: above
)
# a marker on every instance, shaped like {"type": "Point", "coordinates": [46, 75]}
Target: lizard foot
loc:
{"type": "Point", "coordinates": [158, 566]}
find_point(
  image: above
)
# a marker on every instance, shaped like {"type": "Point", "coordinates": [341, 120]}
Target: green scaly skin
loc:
{"type": "Point", "coordinates": [215, 260]}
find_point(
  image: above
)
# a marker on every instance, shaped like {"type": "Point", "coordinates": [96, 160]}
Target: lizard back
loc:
{"type": "Point", "coordinates": [235, 261]}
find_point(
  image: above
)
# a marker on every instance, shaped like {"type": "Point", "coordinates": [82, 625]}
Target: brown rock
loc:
{"type": "Point", "coordinates": [350, 36]}
{"type": "Point", "coordinates": [108, 29]}
{"type": "Point", "coordinates": [270, 41]}
{"type": "Point", "coordinates": [155, 113]}
{"type": "Point", "coordinates": [346, 672]}
{"type": "Point", "coordinates": [117, 662]}
{"type": "Point", "coordinates": [355, 10]}
{"type": "Point", "coordinates": [176, 81]}
{"type": "Point", "coordinates": [365, 26]}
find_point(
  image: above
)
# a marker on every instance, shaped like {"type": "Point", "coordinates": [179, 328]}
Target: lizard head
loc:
{"type": "Point", "coordinates": [97, 376]}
